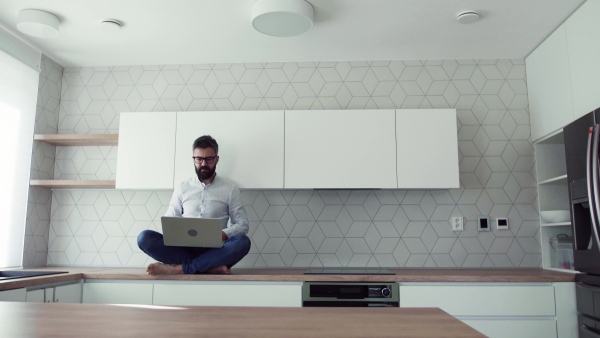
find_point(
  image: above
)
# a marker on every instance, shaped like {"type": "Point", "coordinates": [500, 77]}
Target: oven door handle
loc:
{"type": "Point", "coordinates": [588, 287]}
{"type": "Point", "coordinates": [592, 179]}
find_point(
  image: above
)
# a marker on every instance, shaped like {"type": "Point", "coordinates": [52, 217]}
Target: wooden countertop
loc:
{"type": "Point", "coordinates": [297, 275]}
{"type": "Point", "coordinates": [92, 320]}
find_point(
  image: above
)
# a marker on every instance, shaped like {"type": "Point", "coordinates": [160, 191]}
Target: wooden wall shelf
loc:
{"type": "Point", "coordinates": [78, 139]}
{"type": "Point", "coordinates": [73, 184]}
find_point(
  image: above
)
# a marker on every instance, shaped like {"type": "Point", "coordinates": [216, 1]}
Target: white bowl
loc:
{"type": "Point", "coordinates": [555, 216]}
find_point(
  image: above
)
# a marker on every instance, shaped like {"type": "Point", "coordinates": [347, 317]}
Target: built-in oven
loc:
{"type": "Point", "coordinates": [350, 294]}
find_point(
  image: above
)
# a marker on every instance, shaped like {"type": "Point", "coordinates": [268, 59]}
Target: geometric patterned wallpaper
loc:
{"type": "Point", "coordinates": [301, 228]}
{"type": "Point", "coordinates": [42, 164]}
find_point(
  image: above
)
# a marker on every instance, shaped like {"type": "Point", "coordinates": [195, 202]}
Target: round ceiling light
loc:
{"type": "Point", "coordinates": [37, 23]}
{"type": "Point", "coordinates": [282, 18]}
{"type": "Point", "coordinates": [467, 17]}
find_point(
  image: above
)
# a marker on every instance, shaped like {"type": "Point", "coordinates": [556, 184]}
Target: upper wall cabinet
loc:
{"type": "Point", "coordinates": [583, 38]}
{"type": "Point", "coordinates": [549, 85]}
{"type": "Point", "coordinates": [427, 146]}
{"type": "Point", "coordinates": [340, 149]}
{"type": "Point", "coordinates": [250, 146]}
{"type": "Point", "coordinates": [146, 151]}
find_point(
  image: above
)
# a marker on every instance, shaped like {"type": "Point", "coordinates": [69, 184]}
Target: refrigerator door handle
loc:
{"type": "Point", "coordinates": [588, 287]}
{"type": "Point", "coordinates": [588, 331]}
{"type": "Point", "coordinates": [592, 176]}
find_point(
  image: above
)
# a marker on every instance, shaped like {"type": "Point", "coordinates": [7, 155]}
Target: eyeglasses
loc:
{"type": "Point", "coordinates": [207, 160]}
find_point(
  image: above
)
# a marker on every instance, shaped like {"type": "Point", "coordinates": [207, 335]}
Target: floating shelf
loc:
{"type": "Point", "coordinates": [78, 139]}
{"type": "Point", "coordinates": [561, 270]}
{"type": "Point", "coordinates": [73, 184]}
{"type": "Point", "coordinates": [556, 224]}
{"type": "Point", "coordinates": [555, 180]}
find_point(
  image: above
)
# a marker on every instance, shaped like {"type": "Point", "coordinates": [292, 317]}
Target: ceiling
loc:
{"type": "Point", "coordinates": [220, 31]}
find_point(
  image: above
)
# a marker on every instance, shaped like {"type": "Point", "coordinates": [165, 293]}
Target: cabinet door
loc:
{"type": "Point", "coordinates": [583, 39]}
{"type": "Point", "coordinates": [250, 146]}
{"type": "Point", "coordinates": [35, 296]}
{"type": "Point", "coordinates": [427, 148]}
{"type": "Point", "coordinates": [340, 149]}
{"type": "Point", "coordinates": [549, 85]}
{"type": "Point", "coordinates": [146, 152]}
{"type": "Point", "coordinates": [15, 295]}
{"type": "Point", "coordinates": [68, 293]}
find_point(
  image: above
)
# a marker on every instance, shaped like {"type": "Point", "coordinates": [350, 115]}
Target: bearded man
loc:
{"type": "Point", "coordinates": [205, 195]}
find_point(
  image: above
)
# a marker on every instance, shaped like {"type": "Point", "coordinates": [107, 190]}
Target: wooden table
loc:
{"type": "Point", "coordinates": [87, 320]}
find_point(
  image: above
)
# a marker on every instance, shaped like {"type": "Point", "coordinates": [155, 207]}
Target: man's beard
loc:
{"type": "Point", "coordinates": [204, 174]}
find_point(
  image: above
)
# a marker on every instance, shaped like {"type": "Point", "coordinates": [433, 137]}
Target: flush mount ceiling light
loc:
{"type": "Point", "coordinates": [282, 18]}
{"type": "Point", "coordinates": [37, 23]}
{"type": "Point", "coordinates": [467, 17]}
{"type": "Point", "coordinates": [110, 24]}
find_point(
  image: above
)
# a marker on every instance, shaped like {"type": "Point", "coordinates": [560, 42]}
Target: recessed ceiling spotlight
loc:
{"type": "Point", "coordinates": [38, 23]}
{"type": "Point", "coordinates": [467, 17]}
{"type": "Point", "coordinates": [111, 24]}
{"type": "Point", "coordinates": [282, 18]}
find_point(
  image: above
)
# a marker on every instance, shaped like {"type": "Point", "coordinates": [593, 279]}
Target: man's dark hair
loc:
{"type": "Point", "coordinates": [206, 141]}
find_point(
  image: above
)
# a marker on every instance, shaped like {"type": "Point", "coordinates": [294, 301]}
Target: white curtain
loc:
{"type": "Point", "coordinates": [18, 96]}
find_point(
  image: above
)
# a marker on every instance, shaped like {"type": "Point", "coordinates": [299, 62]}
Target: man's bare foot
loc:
{"type": "Point", "coordinates": [156, 269]}
{"type": "Point", "coordinates": [221, 270]}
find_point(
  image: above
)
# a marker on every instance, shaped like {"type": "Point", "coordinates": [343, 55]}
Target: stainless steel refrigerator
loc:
{"type": "Point", "coordinates": [582, 145]}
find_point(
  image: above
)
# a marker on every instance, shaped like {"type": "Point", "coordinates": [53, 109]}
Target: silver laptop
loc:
{"type": "Point", "coordinates": [192, 232]}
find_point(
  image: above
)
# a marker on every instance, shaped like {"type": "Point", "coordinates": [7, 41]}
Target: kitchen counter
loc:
{"type": "Point", "coordinates": [297, 275]}
{"type": "Point", "coordinates": [86, 320]}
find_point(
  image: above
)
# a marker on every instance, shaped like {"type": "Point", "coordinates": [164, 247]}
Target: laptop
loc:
{"type": "Point", "coordinates": [192, 232]}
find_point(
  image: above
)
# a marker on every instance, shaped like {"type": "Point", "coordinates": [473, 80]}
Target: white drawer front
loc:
{"type": "Point", "coordinates": [518, 328]}
{"type": "Point", "coordinates": [475, 300]}
{"type": "Point", "coordinates": [117, 293]}
{"type": "Point", "coordinates": [289, 295]}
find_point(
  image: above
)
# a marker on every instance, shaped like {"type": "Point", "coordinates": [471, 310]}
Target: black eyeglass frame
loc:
{"type": "Point", "coordinates": [207, 160]}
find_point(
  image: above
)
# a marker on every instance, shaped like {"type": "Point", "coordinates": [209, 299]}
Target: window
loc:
{"type": "Point", "coordinates": [18, 96]}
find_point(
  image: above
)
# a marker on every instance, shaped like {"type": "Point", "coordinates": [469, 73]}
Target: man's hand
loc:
{"type": "Point", "coordinates": [223, 236]}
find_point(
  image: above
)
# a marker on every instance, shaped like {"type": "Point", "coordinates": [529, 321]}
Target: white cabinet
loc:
{"type": "Point", "coordinates": [120, 292]}
{"type": "Point", "coordinates": [250, 146]}
{"type": "Point", "coordinates": [69, 293]}
{"type": "Point", "coordinates": [228, 294]}
{"type": "Point", "coordinates": [15, 295]}
{"type": "Point", "coordinates": [495, 309]}
{"type": "Point", "coordinates": [583, 39]}
{"type": "Point", "coordinates": [427, 148]}
{"type": "Point", "coordinates": [553, 193]}
{"type": "Point", "coordinates": [549, 85]}
{"type": "Point", "coordinates": [340, 149]}
{"type": "Point", "coordinates": [146, 153]}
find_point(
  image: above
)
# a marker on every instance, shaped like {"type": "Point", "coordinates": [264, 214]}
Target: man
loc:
{"type": "Point", "coordinates": [205, 195]}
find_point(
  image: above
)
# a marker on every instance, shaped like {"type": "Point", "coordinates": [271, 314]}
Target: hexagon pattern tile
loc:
{"type": "Point", "coordinates": [289, 228]}
{"type": "Point", "coordinates": [42, 164]}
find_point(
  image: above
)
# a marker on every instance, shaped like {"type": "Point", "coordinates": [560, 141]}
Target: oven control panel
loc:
{"type": "Point", "coordinates": [350, 294]}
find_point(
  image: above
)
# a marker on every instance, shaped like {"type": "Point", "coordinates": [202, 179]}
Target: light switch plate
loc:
{"type": "Point", "coordinates": [483, 223]}
{"type": "Point", "coordinates": [502, 223]}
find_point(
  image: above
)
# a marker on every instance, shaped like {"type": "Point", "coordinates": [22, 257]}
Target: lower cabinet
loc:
{"type": "Point", "coordinates": [229, 294]}
{"type": "Point", "coordinates": [501, 309]}
{"type": "Point", "coordinates": [117, 292]}
{"type": "Point", "coordinates": [15, 295]}
{"type": "Point", "coordinates": [66, 293]}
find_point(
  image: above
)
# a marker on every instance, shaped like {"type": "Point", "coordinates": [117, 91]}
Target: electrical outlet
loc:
{"type": "Point", "coordinates": [457, 223]}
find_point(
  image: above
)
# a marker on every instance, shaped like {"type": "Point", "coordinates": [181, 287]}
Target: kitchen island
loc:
{"type": "Point", "coordinates": [86, 320]}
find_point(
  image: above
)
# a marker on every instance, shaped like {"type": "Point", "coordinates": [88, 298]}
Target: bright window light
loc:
{"type": "Point", "coordinates": [18, 98]}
